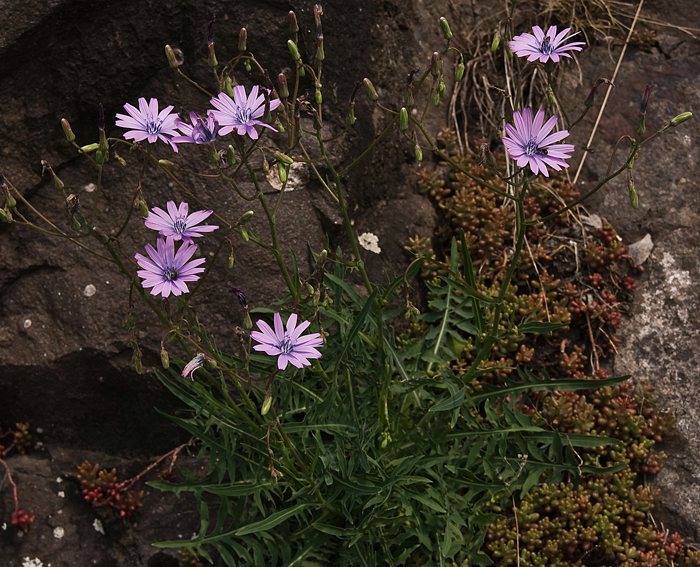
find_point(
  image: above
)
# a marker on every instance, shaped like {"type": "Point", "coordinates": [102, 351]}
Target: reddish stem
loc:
{"type": "Point", "coordinates": [12, 483]}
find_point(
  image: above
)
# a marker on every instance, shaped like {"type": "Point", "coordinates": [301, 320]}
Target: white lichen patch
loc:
{"type": "Point", "coordinates": [89, 290]}
{"type": "Point", "coordinates": [59, 532]}
{"type": "Point", "coordinates": [369, 241]}
{"type": "Point", "coordinates": [32, 562]}
{"type": "Point", "coordinates": [97, 525]}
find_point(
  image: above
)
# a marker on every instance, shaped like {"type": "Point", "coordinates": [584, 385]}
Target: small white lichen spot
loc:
{"type": "Point", "coordinates": [59, 480]}
{"type": "Point", "coordinates": [27, 323]}
{"type": "Point", "coordinates": [4, 526]}
{"type": "Point", "coordinates": [61, 494]}
{"type": "Point", "coordinates": [58, 532]}
{"type": "Point", "coordinates": [99, 528]}
{"type": "Point", "coordinates": [90, 187]}
{"type": "Point", "coordinates": [32, 562]}
{"type": "Point", "coordinates": [369, 241]}
{"type": "Point", "coordinates": [89, 290]}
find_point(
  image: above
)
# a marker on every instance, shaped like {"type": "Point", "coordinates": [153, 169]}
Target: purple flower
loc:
{"type": "Point", "coordinates": [167, 271]}
{"type": "Point", "coordinates": [241, 112]}
{"type": "Point", "coordinates": [289, 345]}
{"type": "Point", "coordinates": [199, 131]}
{"type": "Point", "coordinates": [177, 223]}
{"type": "Point", "coordinates": [543, 46]}
{"type": "Point", "coordinates": [530, 142]}
{"type": "Point", "coordinates": [146, 123]}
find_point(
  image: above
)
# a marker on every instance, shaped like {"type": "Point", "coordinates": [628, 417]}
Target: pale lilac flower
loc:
{"type": "Point", "coordinates": [195, 364]}
{"type": "Point", "coordinates": [543, 46]}
{"type": "Point", "coordinates": [147, 123]}
{"type": "Point", "coordinates": [288, 346]}
{"type": "Point", "coordinates": [167, 271]}
{"type": "Point", "coordinates": [530, 142]}
{"type": "Point", "coordinates": [199, 131]}
{"type": "Point", "coordinates": [241, 113]}
{"type": "Point", "coordinates": [177, 223]}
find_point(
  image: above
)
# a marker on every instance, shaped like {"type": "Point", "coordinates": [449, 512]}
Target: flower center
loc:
{"type": "Point", "coordinates": [153, 126]}
{"type": "Point", "coordinates": [286, 345]}
{"type": "Point", "coordinates": [546, 47]}
{"type": "Point", "coordinates": [179, 225]}
{"type": "Point", "coordinates": [170, 274]}
{"type": "Point", "coordinates": [243, 115]}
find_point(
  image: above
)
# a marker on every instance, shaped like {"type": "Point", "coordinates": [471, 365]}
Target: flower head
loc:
{"type": "Point", "coordinates": [177, 223]}
{"type": "Point", "coordinates": [167, 271]}
{"type": "Point", "coordinates": [288, 346]}
{"type": "Point", "coordinates": [199, 131]}
{"type": "Point", "coordinates": [241, 113]}
{"type": "Point", "coordinates": [146, 123]}
{"type": "Point", "coordinates": [529, 142]}
{"type": "Point", "coordinates": [543, 46]}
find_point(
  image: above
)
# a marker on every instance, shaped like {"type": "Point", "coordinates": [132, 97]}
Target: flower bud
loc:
{"type": "Point", "coordinates": [99, 157]}
{"type": "Point", "coordinates": [320, 51]}
{"type": "Point", "coordinates": [436, 65]}
{"type": "Point", "coordinates": [247, 321]}
{"type": "Point", "coordinates": [284, 158]}
{"type": "Point", "coordinates": [632, 190]}
{"type": "Point", "coordinates": [283, 87]}
{"type": "Point", "coordinates": [371, 91]}
{"type": "Point", "coordinates": [292, 22]}
{"type": "Point", "coordinates": [174, 57]}
{"type": "Point", "coordinates": [67, 130]}
{"type": "Point", "coordinates": [231, 155]}
{"type": "Point", "coordinates": [294, 51]}
{"type": "Point", "coordinates": [446, 31]}
{"type": "Point", "coordinates": [282, 172]}
{"type": "Point", "coordinates": [419, 152]}
{"type": "Point", "coordinates": [5, 216]}
{"type": "Point", "coordinates": [142, 207]}
{"type": "Point", "coordinates": [267, 404]}
{"type": "Point", "coordinates": [682, 117]}
{"type": "Point", "coordinates": [213, 62]}
{"type": "Point", "coordinates": [10, 201]}
{"type": "Point", "coordinates": [245, 235]}
{"type": "Point", "coordinates": [165, 163]}
{"type": "Point", "coordinates": [245, 217]}
{"type": "Point", "coordinates": [89, 148]}
{"type": "Point", "coordinates": [442, 87]}
{"type": "Point", "coordinates": [496, 41]}
{"type": "Point", "coordinates": [318, 95]}
{"type": "Point", "coordinates": [228, 86]}
{"type": "Point", "coordinates": [164, 357]}
{"type": "Point", "coordinates": [403, 119]}
{"type": "Point", "coordinates": [231, 261]}
{"type": "Point", "coordinates": [243, 40]}
{"type": "Point", "coordinates": [351, 115]}
{"type": "Point", "coordinates": [459, 72]}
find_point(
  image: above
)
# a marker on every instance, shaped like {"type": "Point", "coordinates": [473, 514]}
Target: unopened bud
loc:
{"type": "Point", "coordinates": [442, 87]}
{"type": "Point", "coordinates": [231, 155]}
{"type": "Point", "coordinates": [142, 207]}
{"type": "Point", "coordinates": [282, 172]}
{"type": "Point", "coordinates": [213, 62]}
{"type": "Point", "coordinates": [320, 51]}
{"type": "Point", "coordinates": [89, 148]}
{"type": "Point", "coordinates": [174, 57]}
{"type": "Point", "coordinates": [244, 235]}
{"type": "Point", "coordinates": [436, 98]}
{"type": "Point", "coordinates": [292, 22]}
{"type": "Point", "coordinates": [10, 201]}
{"type": "Point", "coordinates": [681, 118]}
{"type": "Point", "coordinates": [165, 163]}
{"type": "Point", "coordinates": [436, 64]}
{"type": "Point", "coordinates": [371, 91]}
{"type": "Point", "coordinates": [247, 321]}
{"type": "Point", "coordinates": [164, 357]}
{"type": "Point", "coordinates": [243, 40]}
{"type": "Point", "coordinates": [267, 404]}
{"type": "Point", "coordinates": [5, 216]}
{"type": "Point", "coordinates": [419, 152]}
{"type": "Point", "coordinates": [265, 165]}
{"type": "Point", "coordinates": [228, 86]}
{"type": "Point", "coordinates": [136, 361]}
{"type": "Point", "coordinates": [121, 160]}
{"type": "Point", "coordinates": [99, 157]}
{"type": "Point", "coordinates": [57, 181]}
{"type": "Point", "coordinates": [496, 41]}
{"type": "Point", "coordinates": [459, 72]}
{"type": "Point", "coordinates": [294, 51]}
{"type": "Point", "coordinates": [632, 190]}
{"type": "Point", "coordinates": [284, 158]}
{"type": "Point", "coordinates": [67, 130]}
{"type": "Point", "coordinates": [645, 99]}
{"type": "Point", "coordinates": [403, 119]}
{"type": "Point", "coordinates": [283, 87]}
{"type": "Point", "coordinates": [245, 217]}
{"type": "Point", "coordinates": [351, 115]}
{"type": "Point", "coordinates": [446, 31]}
{"type": "Point", "coordinates": [231, 261]}
{"type": "Point", "coordinates": [318, 95]}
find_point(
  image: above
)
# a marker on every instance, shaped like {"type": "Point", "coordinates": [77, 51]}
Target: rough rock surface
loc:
{"type": "Point", "coordinates": [660, 337]}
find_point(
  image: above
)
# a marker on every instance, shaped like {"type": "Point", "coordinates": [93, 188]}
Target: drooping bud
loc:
{"type": "Point", "coordinates": [89, 148]}
{"type": "Point", "coordinates": [164, 356]}
{"type": "Point", "coordinates": [459, 72]}
{"type": "Point", "coordinates": [419, 152]}
{"type": "Point", "coordinates": [682, 117]}
{"type": "Point", "coordinates": [282, 172]}
{"type": "Point", "coordinates": [496, 41]}
{"type": "Point", "coordinates": [442, 87]}
{"type": "Point", "coordinates": [632, 190]}
{"type": "Point", "coordinates": [267, 404]}
{"type": "Point", "coordinates": [403, 119]}
{"type": "Point", "coordinates": [243, 40]}
{"type": "Point", "coordinates": [67, 130]}
{"type": "Point", "coordinates": [371, 91]}
{"type": "Point", "coordinates": [240, 296]}
{"type": "Point", "coordinates": [446, 31]}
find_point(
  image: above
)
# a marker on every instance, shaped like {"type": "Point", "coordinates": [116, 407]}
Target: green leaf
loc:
{"type": "Point", "coordinates": [540, 327]}
{"type": "Point", "coordinates": [267, 524]}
